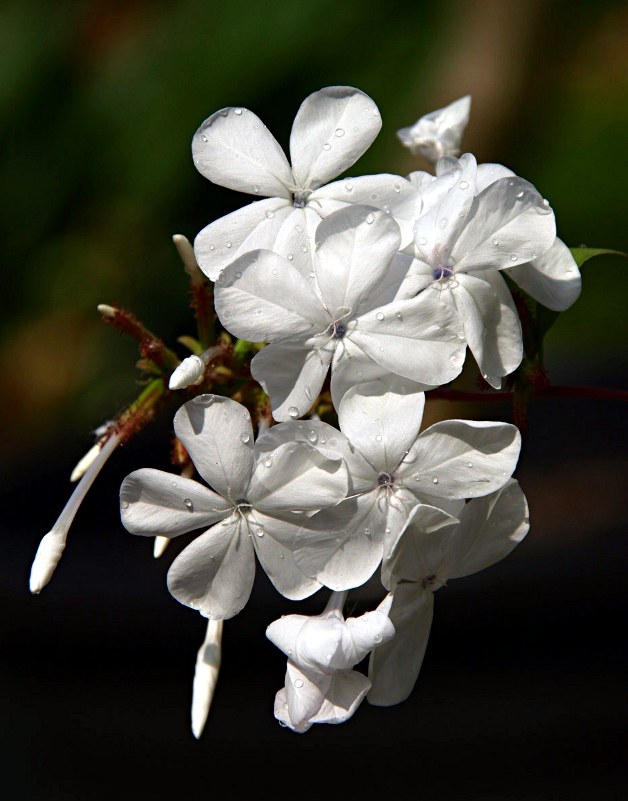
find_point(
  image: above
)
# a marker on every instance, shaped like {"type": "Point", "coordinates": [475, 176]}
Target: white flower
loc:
{"type": "Point", "coordinates": [438, 133]}
{"type": "Point", "coordinates": [421, 562]}
{"type": "Point", "coordinates": [321, 686]}
{"type": "Point", "coordinates": [332, 129]}
{"type": "Point", "coordinates": [469, 230]}
{"type": "Point", "coordinates": [250, 511]}
{"type": "Point", "coordinates": [344, 314]}
{"type": "Point", "coordinates": [392, 469]}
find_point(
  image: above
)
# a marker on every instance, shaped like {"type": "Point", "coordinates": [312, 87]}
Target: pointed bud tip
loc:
{"type": "Point", "coordinates": [106, 310]}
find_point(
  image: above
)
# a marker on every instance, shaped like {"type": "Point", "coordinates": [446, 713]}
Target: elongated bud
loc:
{"type": "Point", "coordinates": [159, 546]}
{"type": "Point", "coordinates": [186, 254]}
{"type": "Point", "coordinates": [51, 546]}
{"type": "Point", "coordinates": [192, 369]}
{"type": "Point", "coordinates": [438, 133]}
{"type": "Point", "coordinates": [84, 462]}
{"type": "Point", "coordinates": [206, 675]}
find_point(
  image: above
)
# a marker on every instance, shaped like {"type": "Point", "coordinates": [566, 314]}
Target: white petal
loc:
{"type": "Point", "coordinates": [394, 666]}
{"type": "Point", "coordinates": [214, 574]}
{"type": "Point", "coordinates": [381, 421]}
{"type": "Point", "coordinates": [509, 223]}
{"type": "Point", "coordinates": [250, 228]}
{"type": "Point", "coordinates": [438, 228]}
{"type": "Point", "coordinates": [305, 693]}
{"type": "Point", "coordinates": [369, 631]}
{"type": "Point", "coordinates": [553, 279]}
{"type": "Point", "coordinates": [342, 546]}
{"type": "Point", "coordinates": [292, 376]}
{"type": "Point", "coordinates": [489, 173]}
{"type": "Point", "coordinates": [489, 529]}
{"type": "Point", "coordinates": [296, 476]}
{"type": "Point", "coordinates": [345, 695]}
{"type": "Point", "coordinates": [156, 503]}
{"type": "Point", "coordinates": [332, 129]}
{"type": "Point", "coordinates": [390, 193]}
{"type": "Point", "coordinates": [324, 438]}
{"type": "Point", "coordinates": [490, 323]}
{"type": "Point", "coordinates": [262, 297]}
{"type": "Point", "coordinates": [354, 248]}
{"type": "Point", "coordinates": [416, 339]}
{"type": "Point", "coordinates": [438, 133]}
{"type": "Point", "coordinates": [324, 645]}
{"type": "Point", "coordinates": [462, 458]}
{"type": "Point", "coordinates": [272, 538]}
{"type": "Point", "coordinates": [218, 435]}
{"type": "Point", "coordinates": [234, 148]}
{"type": "Point", "coordinates": [284, 632]}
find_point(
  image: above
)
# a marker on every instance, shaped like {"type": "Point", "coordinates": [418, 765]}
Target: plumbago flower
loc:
{"type": "Point", "coordinates": [471, 227]}
{"type": "Point", "coordinates": [345, 315]}
{"type": "Point", "coordinates": [438, 133]}
{"type": "Point", "coordinates": [332, 129]}
{"type": "Point", "coordinates": [249, 510]}
{"type": "Point", "coordinates": [421, 562]}
{"type": "Point", "coordinates": [321, 686]}
{"type": "Point", "coordinates": [393, 470]}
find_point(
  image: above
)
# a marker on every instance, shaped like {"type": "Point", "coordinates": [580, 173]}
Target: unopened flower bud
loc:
{"type": "Point", "coordinates": [189, 372]}
{"type": "Point", "coordinates": [438, 133]}
{"type": "Point", "coordinates": [206, 675]}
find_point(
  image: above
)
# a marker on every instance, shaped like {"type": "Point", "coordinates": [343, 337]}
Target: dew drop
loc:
{"type": "Point", "coordinates": [367, 532]}
{"type": "Point", "coordinates": [513, 257]}
{"type": "Point", "coordinates": [339, 132]}
{"type": "Point", "coordinates": [494, 241]}
{"type": "Point", "coordinates": [312, 437]}
{"type": "Point", "coordinates": [387, 530]}
{"type": "Point", "coordinates": [268, 462]}
{"type": "Point", "coordinates": [442, 223]}
{"type": "Point", "coordinates": [212, 247]}
{"type": "Point", "coordinates": [378, 638]}
{"type": "Point", "coordinates": [260, 532]}
{"type": "Point", "coordinates": [258, 312]}
{"type": "Point", "coordinates": [380, 315]}
{"type": "Point", "coordinates": [187, 502]}
{"type": "Point", "coordinates": [378, 438]}
{"type": "Point", "coordinates": [434, 480]}
{"type": "Point", "coordinates": [303, 248]}
{"type": "Point", "coordinates": [244, 437]}
{"type": "Point", "coordinates": [469, 464]}
{"type": "Point", "coordinates": [397, 188]}
{"type": "Point", "coordinates": [326, 146]}
{"type": "Point", "coordinates": [423, 240]}
{"type": "Point", "coordinates": [290, 257]}
{"type": "Point", "coordinates": [256, 188]}
{"type": "Point", "coordinates": [519, 195]}
{"type": "Point", "coordinates": [370, 218]}
{"type": "Point", "coordinates": [270, 214]}
{"type": "Point", "coordinates": [228, 244]}
{"type": "Point", "coordinates": [464, 184]}
{"type": "Point", "coordinates": [323, 440]}
{"type": "Point", "coordinates": [274, 272]}
{"type": "Point", "coordinates": [298, 684]}
{"type": "Point", "coordinates": [204, 138]}
{"type": "Point", "coordinates": [293, 412]}
{"type": "Point", "coordinates": [237, 111]}
{"type": "Point", "coordinates": [124, 504]}
{"type": "Point", "coordinates": [238, 275]}
{"type": "Point", "coordinates": [348, 187]}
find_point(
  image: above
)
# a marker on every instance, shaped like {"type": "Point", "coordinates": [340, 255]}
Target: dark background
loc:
{"type": "Point", "coordinates": [522, 695]}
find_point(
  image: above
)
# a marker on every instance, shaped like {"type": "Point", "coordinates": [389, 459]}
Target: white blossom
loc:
{"type": "Point", "coordinates": [248, 511]}
{"type": "Point", "coordinates": [438, 133]}
{"type": "Point", "coordinates": [321, 686]}
{"type": "Point", "coordinates": [421, 562]}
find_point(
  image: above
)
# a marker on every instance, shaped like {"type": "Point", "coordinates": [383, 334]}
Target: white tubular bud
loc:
{"type": "Point", "coordinates": [83, 463]}
{"type": "Point", "coordinates": [52, 545]}
{"type": "Point", "coordinates": [159, 546]}
{"type": "Point", "coordinates": [206, 675]}
{"type": "Point", "coordinates": [189, 372]}
{"type": "Point", "coordinates": [106, 310]}
{"type": "Point", "coordinates": [186, 254]}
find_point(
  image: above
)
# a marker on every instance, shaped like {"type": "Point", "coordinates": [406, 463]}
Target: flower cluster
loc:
{"type": "Point", "coordinates": [362, 294]}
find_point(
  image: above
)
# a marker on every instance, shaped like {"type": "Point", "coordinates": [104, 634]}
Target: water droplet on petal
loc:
{"type": "Point", "coordinates": [268, 462]}
{"type": "Point", "coordinates": [290, 257]}
{"type": "Point", "coordinates": [238, 275]}
{"type": "Point", "coordinates": [187, 502]}
{"type": "Point", "coordinates": [367, 532]}
{"type": "Point", "coordinates": [255, 188]}
{"type": "Point", "coordinates": [339, 131]}
{"type": "Point", "coordinates": [326, 146]}
{"type": "Point", "coordinates": [380, 315]}
{"type": "Point", "coordinates": [398, 315]}
{"type": "Point", "coordinates": [370, 218]}
{"type": "Point", "coordinates": [312, 437]}
{"type": "Point", "coordinates": [244, 437]}
{"type": "Point", "coordinates": [124, 504]}
{"type": "Point", "coordinates": [469, 464]}
{"type": "Point", "coordinates": [519, 195]}
{"type": "Point", "coordinates": [228, 244]}
{"type": "Point", "coordinates": [397, 188]}
{"type": "Point", "coordinates": [204, 138]}
{"type": "Point", "coordinates": [378, 438]}
{"type": "Point", "coordinates": [298, 684]}
{"type": "Point", "coordinates": [442, 223]}
{"type": "Point", "coordinates": [423, 240]}
{"type": "Point", "coordinates": [494, 241]}
{"type": "Point", "coordinates": [303, 248]}
{"type": "Point", "coordinates": [513, 257]}
{"type": "Point", "coordinates": [434, 480]}
{"type": "Point", "coordinates": [464, 184]}
{"type": "Point", "coordinates": [293, 412]}
{"type": "Point", "coordinates": [348, 187]}
{"type": "Point", "coordinates": [259, 532]}
{"type": "Point", "coordinates": [270, 214]}
{"type": "Point", "coordinates": [237, 111]}
{"type": "Point", "coordinates": [212, 247]}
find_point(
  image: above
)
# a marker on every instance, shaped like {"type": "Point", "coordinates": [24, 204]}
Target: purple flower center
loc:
{"type": "Point", "coordinates": [442, 272]}
{"type": "Point", "coordinates": [385, 480]}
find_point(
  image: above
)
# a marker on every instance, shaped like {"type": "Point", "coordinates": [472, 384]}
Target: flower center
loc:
{"type": "Point", "coordinates": [243, 505]}
{"type": "Point", "coordinates": [299, 200]}
{"type": "Point", "coordinates": [442, 272]}
{"type": "Point", "coordinates": [385, 480]}
{"type": "Point", "coordinates": [338, 330]}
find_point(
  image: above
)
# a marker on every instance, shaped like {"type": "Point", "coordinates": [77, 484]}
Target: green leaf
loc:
{"type": "Point", "coordinates": [582, 254]}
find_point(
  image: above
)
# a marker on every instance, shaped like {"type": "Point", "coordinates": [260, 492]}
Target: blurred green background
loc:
{"type": "Point", "coordinates": [523, 687]}
{"type": "Point", "coordinates": [99, 101]}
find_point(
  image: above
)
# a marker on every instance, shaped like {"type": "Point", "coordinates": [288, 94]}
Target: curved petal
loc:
{"type": "Point", "coordinates": [156, 503]}
{"type": "Point", "coordinates": [354, 248]}
{"type": "Point", "coordinates": [382, 421]}
{"type": "Point", "coordinates": [462, 458]}
{"type": "Point", "coordinates": [296, 476]}
{"type": "Point", "coordinates": [292, 375]}
{"type": "Point", "coordinates": [284, 632]}
{"type": "Point", "coordinates": [490, 527]}
{"type": "Point", "coordinates": [490, 323]}
{"type": "Point", "coordinates": [489, 173]}
{"type": "Point", "coordinates": [250, 228]}
{"type": "Point", "coordinates": [553, 279]}
{"type": "Point", "coordinates": [218, 435]}
{"type": "Point", "coordinates": [509, 223]}
{"type": "Point", "coordinates": [214, 574]}
{"type": "Point", "coordinates": [344, 696]}
{"type": "Point", "coordinates": [416, 339]}
{"type": "Point", "coordinates": [261, 297]}
{"type": "Point", "coordinates": [369, 631]}
{"type": "Point", "coordinates": [304, 695]}
{"type": "Point", "coordinates": [342, 546]}
{"type": "Point", "coordinates": [234, 148]}
{"type": "Point", "coordinates": [394, 666]}
{"type": "Point", "coordinates": [272, 539]}
{"type": "Point", "coordinates": [390, 193]}
{"type": "Point", "coordinates": [331, 130]}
